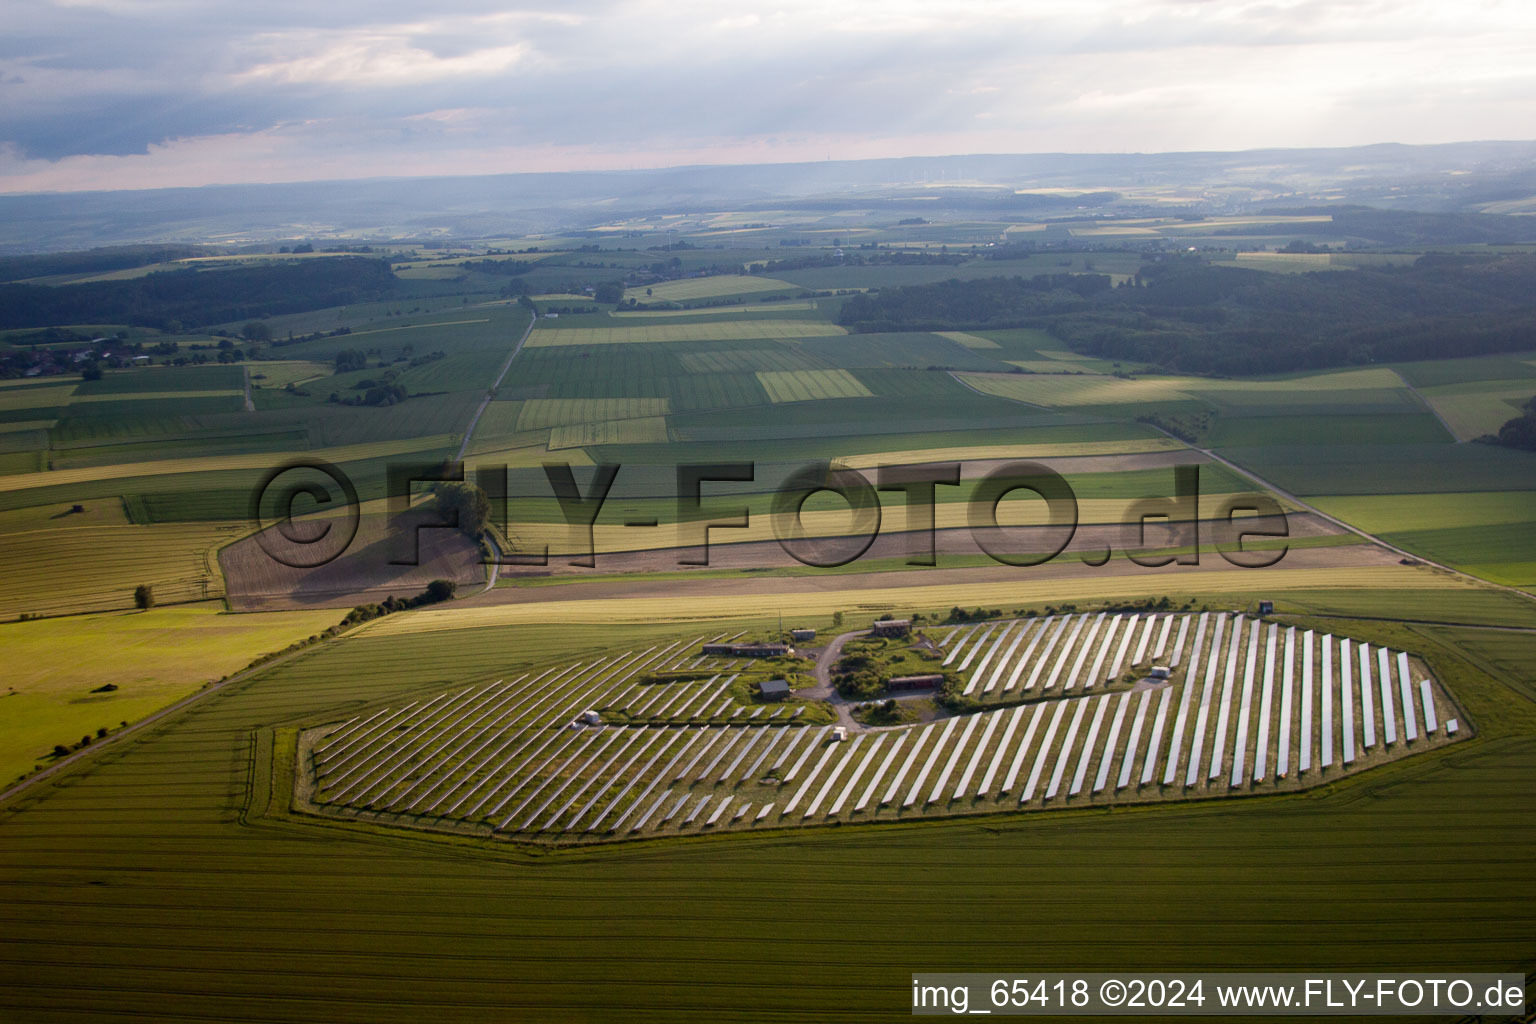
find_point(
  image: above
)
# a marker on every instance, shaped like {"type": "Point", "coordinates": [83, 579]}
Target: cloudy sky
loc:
{"type": "Point", "coordinates": [143, 93]}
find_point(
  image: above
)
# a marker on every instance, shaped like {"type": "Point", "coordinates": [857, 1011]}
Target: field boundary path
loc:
{"type": "Point", "coordinates": [490, 392]}
{"type": "Point", "coordinates": [494, 568]}
{"type": "Point", "coordinates": [1427, 404]}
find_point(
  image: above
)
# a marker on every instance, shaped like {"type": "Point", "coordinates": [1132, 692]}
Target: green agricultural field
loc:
{"type": "Point", "coordinates": [1348, 390]}
{"type": "Point", "coordinates": [777, 357]}
{"type": "Point", "coordinates": [692, 288]}
{"type": "Point", "coordinates": [156, 379]}
{"type": "Point", "coordinates": [1490, 534]}
{"type": "Point", "coordinates": [1031, 340]}
{"type": "Point", "coordinates": [725, 330]}
{"type": "Point", "coordinates": [909, 350]}
{"type": "Point", "coordinates": [969, 340]}
{"type": "Point", "coordinates": [153, 659]}
{"type": "Point", "coordinates": [1074, 390]}
{"type": "Point", "coordinates": [1302, 263]}
{"type": "Point", "coordinates": [282, 372]}
{"type": "Point", "coordinates": [50, 397]}
{"type": "Point", "coordinates": [1472, 410]}
{"type": "Point", "coordinates": [552, 412]}
{"type": "Point", "coordinates": [809, 385]}
{"type": "Point", "coordinates": [1440, 372]}
{"type": "Point", "coordinates": [912, 384]}
{"type": "Point", "coordinates": [1298, 428]}
{"type": "Point", "coordinates": [1403, 468]}
{"type": "Point", "coordinates": [21, 461]}
{"type": "Point", "coordinates": [1392, 513]}
{"type": "Point", "coordinates": [640, 430]}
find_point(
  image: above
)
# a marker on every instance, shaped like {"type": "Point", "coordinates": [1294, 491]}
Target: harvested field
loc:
{"type": "Point", "coordinates": [724, 330]}
{"type": "Point", "coordinates": [810, 385]}
{"type": "Point", "coordinates": [364, 574]}
{"type": "Point", "coordinates": [689, 289]}
{"type": "Point", "coordinates": [709, 600]}
{"type": "Point", "coordinates": [211, 463]}
{"type": "Point", "coordinates": [96, 567]}
{"type": "Point", "coordinates": [651, 314]}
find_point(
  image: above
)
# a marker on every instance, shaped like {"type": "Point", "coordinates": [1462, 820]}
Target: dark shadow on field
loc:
{"type": "Point", "coordinates": [363, 574]}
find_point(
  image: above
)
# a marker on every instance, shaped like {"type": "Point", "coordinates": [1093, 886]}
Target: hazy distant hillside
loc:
{"type": "Point", "coordinates": [1458, 177]}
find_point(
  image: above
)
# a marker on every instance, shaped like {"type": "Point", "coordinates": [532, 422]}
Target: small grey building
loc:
{"type": "Point", "coordinates": [774, 689]}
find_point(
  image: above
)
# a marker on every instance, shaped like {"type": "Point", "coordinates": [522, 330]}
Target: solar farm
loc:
{"type": "Point", "coordinates": [1080, 710]}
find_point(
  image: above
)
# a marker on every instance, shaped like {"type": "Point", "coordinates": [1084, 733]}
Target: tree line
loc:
{"type": "Point", "coordinates": [1183, 314]}
{"type": "Point", "coordinates": [176, 299]}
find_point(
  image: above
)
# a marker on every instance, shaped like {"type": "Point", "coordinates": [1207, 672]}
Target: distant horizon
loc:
{"type": "Point", "coordinates": [722, 164]}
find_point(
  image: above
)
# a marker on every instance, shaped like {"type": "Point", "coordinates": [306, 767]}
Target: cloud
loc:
{"type": "Point", "coordinates": [190, 90]}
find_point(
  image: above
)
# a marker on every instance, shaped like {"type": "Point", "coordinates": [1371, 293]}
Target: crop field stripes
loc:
{"type": "Point", "coordinates": [521, 759]}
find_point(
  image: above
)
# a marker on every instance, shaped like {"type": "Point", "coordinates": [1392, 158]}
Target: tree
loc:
{"type": "Point", "coordinates": [440, 590]}
{"type": "Point", "coordinates": [609, 291]}
{"type": "Point", "coordinates": [257, 332]}
{"type": "Point", "coordinates": [351, 359]}
{"type": "Point", "coordinates": [144, 597]}
{"type": "Point", "coordinates": [91, 372]}
{"type": "Point", "coordinates": [471, 503]}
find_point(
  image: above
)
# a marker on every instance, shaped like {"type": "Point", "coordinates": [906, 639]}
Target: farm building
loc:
{"type": "Point", "coordinates": [926, 682]}
{"type": "Point", "coordinates": [750, 650]}
{"type": "Point", "coordinates": [891, 627]}
{"type": "Point", "coordinates": [802, 634]}
{"type": "Point", "coordinates": [774, 689]}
